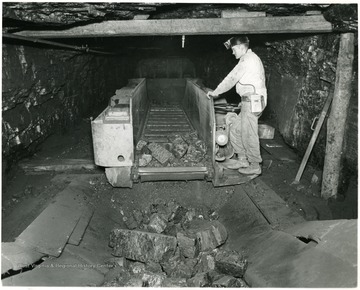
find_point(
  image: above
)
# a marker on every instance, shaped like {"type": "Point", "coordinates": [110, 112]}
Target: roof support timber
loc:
{"type": "Point", "coordinates": [208, 26]}
{"type": "Point", "coordinates": [337, 121]}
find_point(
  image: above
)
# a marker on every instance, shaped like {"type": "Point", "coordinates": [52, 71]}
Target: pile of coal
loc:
{"type": "Point", "coordinates": [167, 245]}
{"type": "Point", "coordinates": [180, 150]}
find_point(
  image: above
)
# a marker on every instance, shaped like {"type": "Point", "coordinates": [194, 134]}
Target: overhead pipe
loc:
{"type": "Point", "coordinates": [37, 40]}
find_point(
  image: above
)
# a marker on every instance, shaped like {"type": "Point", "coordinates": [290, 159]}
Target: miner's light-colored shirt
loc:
{"type": "Point", "coordinates": [249, 70]}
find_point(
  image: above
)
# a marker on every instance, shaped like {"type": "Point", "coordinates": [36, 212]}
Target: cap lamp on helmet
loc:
{"type": "Point", "coordinates": [236, 41]}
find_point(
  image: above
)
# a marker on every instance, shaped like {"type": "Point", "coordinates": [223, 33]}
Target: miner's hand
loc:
{"type": "Point", "coordinates": [211, 95]}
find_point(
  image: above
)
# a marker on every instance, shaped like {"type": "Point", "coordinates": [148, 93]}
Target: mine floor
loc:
{"type": "Point", "coordinates": [269, 202]}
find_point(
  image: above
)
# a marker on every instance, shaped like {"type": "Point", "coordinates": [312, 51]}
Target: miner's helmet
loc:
{"type": "Point", "coordinates": [236, 41]}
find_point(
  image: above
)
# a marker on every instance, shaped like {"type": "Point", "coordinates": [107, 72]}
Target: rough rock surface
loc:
{"type": "Point", "coordinates": [179, 146]}
{"type": "Point", "coordinates": [189, 246]}
{"type": "Point", "coordinates": [229, 282]}
{"type": "Point", "coordinates": [210, 234]}
{"type": "Point", "coordinates": [194, 154]}
{"type": "Point", "coordinates": [158, 223]}
{"type": "Point", "coordinates": [230, 263]}
{"type": "Point", "coordinates": [153, 279]}
{"type": "Point", "coordinates": [214, 275]}
{"type": "Point", "coordinates": [48, 90]}
{"type": "Point", "coordinates": [138, 216]}
{"type": "Point", "coordinates": [199, 280]}
{"type": "Point", "coordinates": [142, 246]}
{"type": "Point", "coordinates": [174, 282]}
{"type": "Point", "coordinates": [117, 276]}
{"type": "Point", "coordinates": [134, 282]}
{"type": "Point", "coordinates": [176, 267]}
{"type": "Point", "coordinates": [144, 160]}
{"type": "Point", "coordinates": [173, 229]}
{"type": "Point", "coordinates": [176, 212]}
{"type": "Point", "coordinates": [137, 267]}
{"type": "Point", "coordinates": [153, 267]}
{"type": "Point", "coordinates": [206, 262]}
{"type": "Point", "coordinates": [160, 153]}
{"type": "Point", "coordinates": [190, 257]}
{"type": "Point", "coordinates": [130, 222]}
{"type": "Point", "coordinates": [140, 144]}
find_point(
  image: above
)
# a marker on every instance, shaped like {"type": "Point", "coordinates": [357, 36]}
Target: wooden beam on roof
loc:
{"type": "Point", "coordinates": [209, 26]}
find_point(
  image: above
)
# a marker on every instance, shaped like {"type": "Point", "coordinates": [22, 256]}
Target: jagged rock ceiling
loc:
{"type": "Point", "coordinates": [25, 15]}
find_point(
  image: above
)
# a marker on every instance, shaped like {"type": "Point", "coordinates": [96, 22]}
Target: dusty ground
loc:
{"type": "Point", "coordinates": [25, 196]}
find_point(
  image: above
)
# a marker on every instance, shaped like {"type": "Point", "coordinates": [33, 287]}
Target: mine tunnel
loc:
{"type": "Point", "coordinates": [116, 162]}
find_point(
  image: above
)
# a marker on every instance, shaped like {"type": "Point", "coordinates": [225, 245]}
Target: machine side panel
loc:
{"type": "Point", "coordinates": [113, 130]}
{"type": "Point", "coordinates": [200, 111]}
{"type": "Point", "coordinates": [113, 144]}
{"type": "Point", "coordinates": [139, 109]}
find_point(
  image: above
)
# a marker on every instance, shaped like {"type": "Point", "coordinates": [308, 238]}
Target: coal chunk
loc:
{"type": "Point", "coordinates": [150, 279]}
{"type": "Point", "coordinates": [210, 234]}
{"type": "Point", "coordinates": [176, 267]}
{"type": "Point", "coordinates": [179, 147]}
{"type": "Point", "coordinates": [142, 246]}
{"type": "Point", "coordinates": [160, 153]}
{"type": "Point", "coordinates": [199, 280]}
{"type": "Point", "coordinates": [230, 263]}
{"type": "Point", "coordinates": [206, 262]}
{"type": "Point", "coordinates": [229, 282]}
{"type": "Point", "coordinates": [174, 282]}
{"type": "Point", "coordinates": [189, 246]}
{"type": "Point", "coordinates": [158, 223]}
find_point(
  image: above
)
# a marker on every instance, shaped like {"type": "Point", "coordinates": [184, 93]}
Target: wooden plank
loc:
{"type": "Point", "coordinates": [79, 231]}
{"type": "Point", "coordinates": [337, 237]}
{"type": "Point", "coordinates": [16, 257]}
{"type": "Point", "coordinates": [233, 13]}
{"type": "Point", "coordinates": [314, 137]}
{"type": "Point", "coordinates": [254, 25]}
{"type": "Point", "coordinates": [338, 117]}
{"type": "Point", "coordinates": [272, 206]}
{"type": "Point", "coordinates": [57, 165]}
{"type": "Point", "coordinates": [67, 270]}
{"type": "Point", "coordinates": [51, 230]}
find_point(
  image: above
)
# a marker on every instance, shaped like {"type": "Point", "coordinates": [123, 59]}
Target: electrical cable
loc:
{"type": "Point", "coordinates": [248, 85]}
{"type": "Point", "coordinates": [37, 40]}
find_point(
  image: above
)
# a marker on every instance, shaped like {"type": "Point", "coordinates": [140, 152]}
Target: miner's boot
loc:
{"type": "Point", "coordinates": [238, 163]}
{"type": "Point", "coordinates": [253, 168]}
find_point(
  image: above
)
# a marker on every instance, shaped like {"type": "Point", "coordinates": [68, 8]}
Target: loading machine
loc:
{"type": "Point", "coordinates": [150, 110]}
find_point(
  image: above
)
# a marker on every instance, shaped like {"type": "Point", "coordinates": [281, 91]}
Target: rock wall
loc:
{"type": "Point", "coordinates": [46, 90]}
{"type": "Point", "coordinates": [300, 72]}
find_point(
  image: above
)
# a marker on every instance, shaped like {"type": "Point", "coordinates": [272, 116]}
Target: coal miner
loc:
{"type": "Point", "coordinates": [249, 77]}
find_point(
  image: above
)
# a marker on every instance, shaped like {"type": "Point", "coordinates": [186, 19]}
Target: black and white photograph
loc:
{"type": "Point", "coordinates": [179, 144]}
